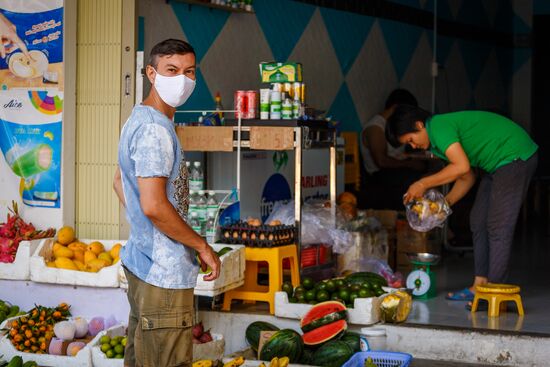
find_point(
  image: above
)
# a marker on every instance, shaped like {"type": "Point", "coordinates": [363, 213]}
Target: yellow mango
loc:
{"type": "Point", "coordinates": [95, 265]}
{"type": "Point", "coordinates": [79, 255]}
{"type": "Point", "coordinates": [115, 250]}
{"type": "Point", "coordinates": [56, 246]}
{"type": "Point", "coordinates": [96, 247]}
{"type": "Point", "coordinates": [116, 259]}
{"type": "Point", "coordinates": [65, 235]}
{"type": "Point", "coordinates": [65, 263]}
{"type": "Point", "coordinates": [80, 265]}
{"type": "Point", "coordinates": [89, 256]}
{"type": "Point", "coordinates": [63, 252]}
{"type": "Point", "coordinates": [77, 246]}
{"type": "Point", "coordinates": [106, 257]}
{"type": "Point", "coordinates": [51, 264]}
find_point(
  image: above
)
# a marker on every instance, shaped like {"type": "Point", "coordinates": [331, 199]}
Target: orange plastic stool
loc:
{"type": "Point", "coordinates": [495, 294]}
{"type": "Point", "coordinates": [250, 291]}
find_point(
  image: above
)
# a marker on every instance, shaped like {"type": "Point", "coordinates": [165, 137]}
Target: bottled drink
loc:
{"type": "Point", "coordinates": [195, 223]}
{"type": "Point", "coordinates": [192, 203]}
{"type": "Point", "coordinates": [210, 228]}
{"type": "Point", "coordinates": [196, 180]}
{"type": "Point", "coordinates": [201, 207]}
{"type": "Point", "coordinates": [212, 205]}
{"type": "Point", "coordinates": [188, 168]}
{"type": "Point", "coordinates": [219, 106]}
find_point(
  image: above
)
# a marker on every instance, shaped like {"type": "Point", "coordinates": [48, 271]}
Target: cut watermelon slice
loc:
{"type": "Point", "coordinates": [320, 310]}
{"type": "Point", "coordinates": [324, 333]}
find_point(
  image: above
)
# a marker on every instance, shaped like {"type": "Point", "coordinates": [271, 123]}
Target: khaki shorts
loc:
{"type": "Point", "coordinates": [159, 326]}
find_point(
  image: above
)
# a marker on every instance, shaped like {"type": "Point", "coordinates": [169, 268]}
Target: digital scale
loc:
{"type": "Point", "coordinates": [422, 279]}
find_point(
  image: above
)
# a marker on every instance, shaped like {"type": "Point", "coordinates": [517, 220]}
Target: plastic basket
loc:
{"type": "Point", "coordinates": [380, 359]}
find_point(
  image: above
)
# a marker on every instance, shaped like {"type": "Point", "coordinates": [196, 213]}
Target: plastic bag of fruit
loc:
{"type": "Point", "coordinates": [428, 212]}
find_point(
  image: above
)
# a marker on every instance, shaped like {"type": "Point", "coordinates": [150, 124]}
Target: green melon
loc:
{"type": "Point", "coordinates": [332, 354]}
{"type": "Point", "coordinates": [352, 339]}
{"type": "Point", "coordinates": [253, 331]}
{"type": "Point", "coordinates": [284, 343]}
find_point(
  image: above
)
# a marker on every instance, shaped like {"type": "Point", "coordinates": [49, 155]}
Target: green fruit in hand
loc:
{"type": "Point", "coordinates": [119, 349]}
{"type": "Point", "coordinates": [105, 339]}
{"type": "Point", "coordinates": [110, 353]}
{"type": "Point", "coordinates": [105, 347]}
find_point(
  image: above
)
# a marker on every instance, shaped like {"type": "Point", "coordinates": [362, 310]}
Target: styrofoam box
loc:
{"type": "Point", "coordinates": [231, 276]}
{"type": "Point", "coordinates": [20, 268]}
{"type": "Point", "coordinates": [365, 311]}
{"type": "Point", "coordinates": [82, 359]}
{"type": "Point", "coordinates": [106, 277]}
{"type": "Point", "coordinates": [99, 359]}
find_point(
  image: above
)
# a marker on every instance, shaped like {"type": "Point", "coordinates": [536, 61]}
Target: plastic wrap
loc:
{"type": "Point", "coordinates": [428, 212]}
{"type": "Point", "coordinates": [318, 225]}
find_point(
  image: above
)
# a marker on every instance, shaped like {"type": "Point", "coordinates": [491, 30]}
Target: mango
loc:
{"type": "Point", "coordinates": [89, 256]}
{"type": "Point", "coordinates": [51, 264]}
{"type": "Point", "coordinates": [115, 250]}
{"type": "Point", "coordinates": [56, 246]}
{"type": "Point", "coordinates": [80, 265]}
{"type": "Point", "coordinates": [79, 255]}
{"type": "Point", "coordinates": [63, 252]}
{"type": "Point", "coordinates": [95, 265]}
{"type": "Point", "coordinates": [106, 257]}
{"type": "Point", "coordinates": [65, 235]}
{"type": "Point", "coordinates": [77, 246]}
{"type": "Point", "coordinates": [65, 263]}
{"type": "Point", "coordinates": [96, 247]}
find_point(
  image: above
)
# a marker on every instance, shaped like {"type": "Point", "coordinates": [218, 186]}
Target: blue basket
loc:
{"type": "Point", "coordinates": [380, 359]}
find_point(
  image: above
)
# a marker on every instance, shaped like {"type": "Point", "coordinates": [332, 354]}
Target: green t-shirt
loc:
{"type": "Point", "coordinates": [488, 139]}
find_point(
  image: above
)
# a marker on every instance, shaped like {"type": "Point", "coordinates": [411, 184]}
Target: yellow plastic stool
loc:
{"type": "Point", "coordinates": [495, 294]}
{"type": "Point", "coordinates": [250, 290]}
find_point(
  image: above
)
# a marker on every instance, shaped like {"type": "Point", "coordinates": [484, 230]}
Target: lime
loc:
{"type": "Point", "coordinates": [299, 289]}
{"type": "Point", "coordinates": [331, 285]}
{"type": "Point", "coordinates": [123, 342]}
{"type": "Point", "coordinates": [364, 293]}
{"type": "Point", "coordinates": [287, 287]}
{"type": "Point", "coordinates": [344, 295]}
{"type": "Point", "coordinates": [119, 349]}
{"type": "Point", "coordinates": [322, 296]}
{"type": "Point", "coordinates": [301, 298]}
{"type": "Point", "coordinates": [105, 347]}
{"type": "Point", "coordinates": [119, 356]}
{"type": "Point", "coordinates": [308, 283]}
{"type": "Point", "coordinates": [113, 342]}
{"type": "Point", "coordinates": [379, 292]}
{"type": "Point", "coordinates": [110, 353]}
{"type": "Point", "coordinates": [352, 297]}
{"type": "Point", "coordinates": [321, 286]}
{"type": "Point", "coordinates": [340, 283]}
{"type": "Point", "coordinates": [310, 295]}
{"type": "Point", "coordinates": [335, 297]}
{"type": "Point", "coordinates": [297, 294]}
{"type": "Point", "coordinates": [293, 300]}
{"type": "Point", "coordinates": [104, 339]}
{"type": "Point", "coordinates": [355, 287]}
{"type": "Point", "coordinates": [367, 285]}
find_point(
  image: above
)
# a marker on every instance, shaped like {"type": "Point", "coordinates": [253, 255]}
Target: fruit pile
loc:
{"type": "Point", "coordinates": [113, 347]}
{"type": "Point", "coordinates": [33, 332]}
{"type": "Point", "coordinates": [199, 335]}
{"type": "Point", "coordinates": [325, 341]}
{"type": "Point", "coordinates": [16, 230]}
{"type": "Point", "coordinates": [7, 310]}
{"type": "Point", "coordinates": [344, 290]}
{"type": "Point", "coordinates": [17, 361]}
{"type": "Point", "coordinates": [71, 254]}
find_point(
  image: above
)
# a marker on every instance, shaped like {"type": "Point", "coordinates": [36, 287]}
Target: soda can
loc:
{"type": "Point", "coordinates": [241, 104]}
{"type": "Point", "coordinates": [252, 103]}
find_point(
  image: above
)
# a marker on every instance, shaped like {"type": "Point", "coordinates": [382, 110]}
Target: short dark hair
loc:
{"type": "Point", "coordinates": [403, 121]}
{"type": "Point", "coordinates": [169, 47]}
{"type": "Point", "coordinates": [401, 96]}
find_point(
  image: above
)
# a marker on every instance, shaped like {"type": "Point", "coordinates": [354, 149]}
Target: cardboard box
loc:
{"type": "Point", "coordinates": [409, 240]}
{"type": "Point", "coordinates": [388, 219]}
{"type": "Point", "coordinates": [280, 72]}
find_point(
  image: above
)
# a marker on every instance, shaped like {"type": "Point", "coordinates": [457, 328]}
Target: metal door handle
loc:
{"type": "Point", "coordinates": [127, 85]}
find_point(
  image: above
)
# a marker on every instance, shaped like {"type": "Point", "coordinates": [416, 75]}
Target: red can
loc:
{"type": "Point", "coordinates": [252, 100]}
{"type": "Point", "coordinates": [241, 104]}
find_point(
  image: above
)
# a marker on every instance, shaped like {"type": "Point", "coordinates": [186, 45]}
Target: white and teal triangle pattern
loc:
{"type": "Point", "coordinates": [351, 62]}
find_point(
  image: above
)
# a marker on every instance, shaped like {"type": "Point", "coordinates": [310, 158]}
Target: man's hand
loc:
{"type": "Point", "coordinates": [210, 259]}
{"type": "Point", "coordinates": [9, 34]}
{"type": "Point", "coordinates": [416, 190]}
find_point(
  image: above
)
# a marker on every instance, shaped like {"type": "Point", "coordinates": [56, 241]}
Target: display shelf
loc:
{"type": "Point", "coordinates": [214, 6]}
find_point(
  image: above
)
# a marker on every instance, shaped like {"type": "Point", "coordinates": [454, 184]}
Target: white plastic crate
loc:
{"type": "Point", "coordinates": [106, 277]}
{"type": "Point", "coordinates": [20, 268]}
{"type": "Point", "coordinates": [99, 359]}
{"type": "Point", "coordinates": [365, 311]}
{"type": "Point", "coordinates": [231, 276]}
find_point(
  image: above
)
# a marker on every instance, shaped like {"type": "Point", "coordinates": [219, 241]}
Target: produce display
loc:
{"type": "Point", "coordinates": [113, 347]}
{"type": "Point", "coordinates": [17, 361]}
{"type": "Point", "coordinates": [199, 335]}
{"type": "Point", "coordinates": [7, 310]}
{"type": "Point", "coordinates": [16, 230]}
{"type": "Point", "coordinates": [324, 322]}
{"type": "Point", "coordinates": [344, 290]}
{"type": "Point", "coordinates": [253, 233]}
{"type": "Point", "coordinates": [70, 254]}
{"type": "Point", "coordinates": [284, 343]}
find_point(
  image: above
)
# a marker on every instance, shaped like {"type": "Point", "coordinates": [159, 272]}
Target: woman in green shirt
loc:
{"type": "Point", "coordinates": [507, 158]}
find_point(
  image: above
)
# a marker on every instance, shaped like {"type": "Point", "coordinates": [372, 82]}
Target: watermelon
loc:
{"type": "Point", "coordinates": [325, 321]}
{"type": "Point", "coordinates": [284, 343]}
{"type": "Point", "coordinates": [307, 355]}
{"type": "Point", "coordinates": [352, 339]}
{"type": "Point", "coordinates": [332, 354]}
{"type": "Point", "coordinates": [366, 276]}
{"type": "Point", "coordinates": [253, 331]}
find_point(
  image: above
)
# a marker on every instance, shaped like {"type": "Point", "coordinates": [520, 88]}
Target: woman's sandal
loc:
{"type": "Point", "coordinates": [462, 295]}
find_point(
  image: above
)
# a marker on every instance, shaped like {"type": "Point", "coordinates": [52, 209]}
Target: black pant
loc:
{"type": "Point", "coordinates": [494, 215]}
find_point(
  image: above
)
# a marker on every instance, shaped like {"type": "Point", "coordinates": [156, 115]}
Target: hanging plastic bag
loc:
{"type": "Point", "coordinates": [428, 212]}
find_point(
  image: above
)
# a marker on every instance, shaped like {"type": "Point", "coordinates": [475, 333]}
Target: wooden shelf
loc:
{"type": "Point", "coordinates": [213, 6]}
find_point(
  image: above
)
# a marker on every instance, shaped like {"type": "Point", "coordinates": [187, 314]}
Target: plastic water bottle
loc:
{"type": "Point", "coordinates": [210, 228]}
{"type": "Point", "coordinates": [192, 203]}
{"type": "Point", "coordinates": [196, 181]}
{"type": "Point", "coordinates": [195, 223]}
{"type": "Point", "coordinates": [212, 205]}
{"type": "Point", "coordinates": [201, 207]}
{"type": "Point", "coordinates": [188, 168]}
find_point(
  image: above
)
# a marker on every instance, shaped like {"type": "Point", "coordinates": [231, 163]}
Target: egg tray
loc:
{"type": "Point", "coordinates": [258, 236]}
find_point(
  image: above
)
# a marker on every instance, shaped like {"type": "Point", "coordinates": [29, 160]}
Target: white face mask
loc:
{"type": "Point", "coordinates": [174, 90]}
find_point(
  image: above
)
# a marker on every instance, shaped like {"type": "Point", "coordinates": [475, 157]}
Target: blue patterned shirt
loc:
{"type": "Point", "coordinates": [149, 147]}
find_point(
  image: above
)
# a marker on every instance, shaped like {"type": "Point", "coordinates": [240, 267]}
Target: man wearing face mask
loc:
{"type": "Point", "coordinates": [159, 257]}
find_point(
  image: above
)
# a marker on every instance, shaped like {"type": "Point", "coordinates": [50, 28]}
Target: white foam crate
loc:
{"type": "Point", "coordinates": [106, 277]}
{"type": "Point", "coordinates": [82, 359]}
{"type": "Point", "coordinates": [99, 359]}
{"type": "Point", "coordinates": [365, 311]}
{"type": "Point", "coordinates": [231, 276]}
{"type": "Point", "coordinates": [20, 268]}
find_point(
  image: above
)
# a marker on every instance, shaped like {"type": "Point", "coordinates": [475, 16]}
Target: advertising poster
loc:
{"type": "Point", "coordinates": [31, 102]}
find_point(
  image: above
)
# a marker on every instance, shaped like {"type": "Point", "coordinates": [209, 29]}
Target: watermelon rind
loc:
{"type": "Point", "coordinates": [352, 339]}
{"type": "Point", "coordinates": [325, 320]}
{"type": "Point", "coordinates": [332, 354]}
{"type": "Point", "coordinates": [253, 331]}
{"type": "Point", "coordinates": [284, 343]}
{"type": "Point", "coordinates": [325, 333]}
{"type": "Point", "coordinates": [321, 309]}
